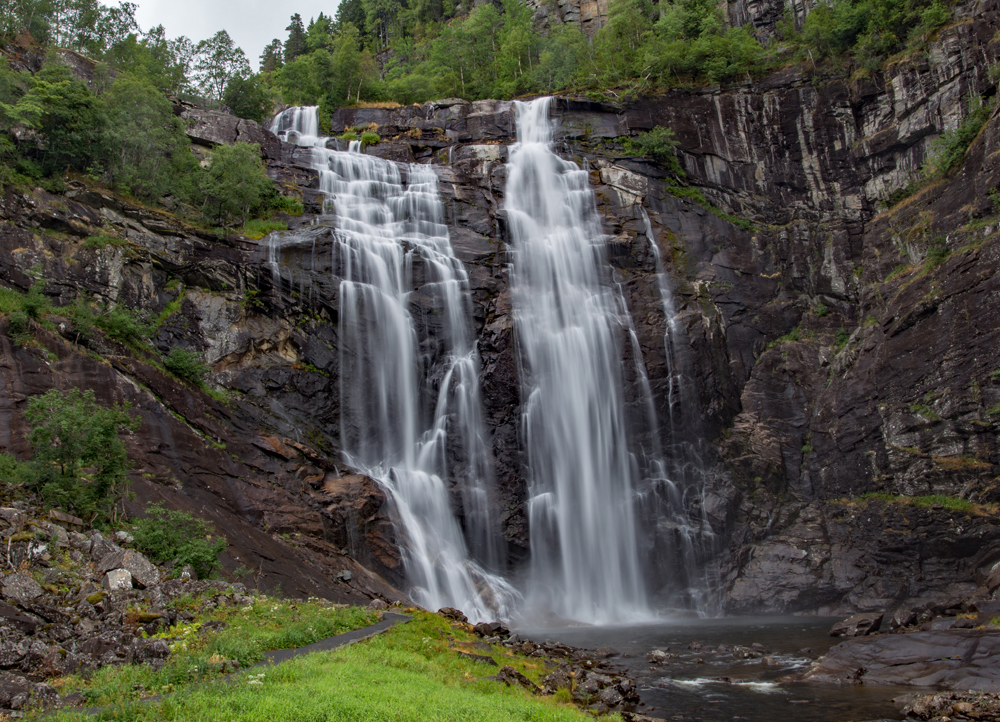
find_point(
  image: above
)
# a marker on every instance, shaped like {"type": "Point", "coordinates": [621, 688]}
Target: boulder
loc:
{"type": "Point", "coordinates": [123, 537]}
{"type": "Point", "coordinates": [14, 518]}
{"type": "Point", "coordinates": [15, 618]}
{"type": "Point", "coordinates": [491, 629]}
{"type": "Point", "coordinates": [987, 607]}
{"type": "Point", "coordinates": [510, 676]}
{"type": "Point", "coordinates": [67, 521]}
{"type": "Point", "coordinates": [611, 696]}
{"type": "Point", "coordinates": [144, 572]}
{"type": "Point", "coordinates": [117, 579]}
{"type": "Point", "coordinates": [378, 605]}
{"type": "Point", "coordinates": [101, 547]}
{"type": "Point", "coordinates": [857, 625]}
{"type": "Point", "coordinates": [966, 659]}
{"type": "Point", "coordinates": [21, 589]}
{"type": "Point", "coordinates": [452, 613]}
{"type": "Point", "coordinates": [902, 617]}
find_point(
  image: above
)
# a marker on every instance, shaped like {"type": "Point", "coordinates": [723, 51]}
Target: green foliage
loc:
{"type": "Point", "coordinates": [236, 185]}
{"type": "Point", "coordinates": [196, 652]}
{"type": "Point", "coordinates": [660, 144]}
{"type": "Point", "coordinates": [218, 62]}
{"type": "Point", "coordinates": [186, 365]}
{"type": "Point", "coordinates": [102, 241]}
{"type": "Point", "coordinates": [78, 458]}
{"type": "Point", "coordinates": [21, 309]}
{"type": "Point", "coordinates": [369, 138]}
{"type": "Point", "coordinates": [147, 150]}
{"type": "Point", "coordinates": [411, 673]}
{"type": "Point", "coordinates": [951, 503]}
{"type": "Point", "coordinates": [288, 204]}
{"type": "Point", "coordinates": [68, 119]}
{"type": "Point", "coordinates": [842, 338]}
{"type": "Point", "coordinates": [176, 536]}
{"type": "Point", "coordinates": [948, 151]}
{"type": "Point", "coordinates": [248, 98]}
{"type": "Point", "coordinates": [123, 325]}
{"type": "Point", "coordinates": [257, 229]}
{"type": "Point", "coordinates": [938, 251]}
{"type": "Point", "coordinates": [820, 309]}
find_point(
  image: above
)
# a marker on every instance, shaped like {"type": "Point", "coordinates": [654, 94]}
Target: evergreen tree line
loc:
{"type": "Point", "coordinates": [120, 129]}
{"type": "Point", "coordinates": [416, 50]}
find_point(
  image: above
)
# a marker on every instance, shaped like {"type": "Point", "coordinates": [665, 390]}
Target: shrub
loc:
{"type": "Point", "coordinates": [659, 144]}
{"type": "Point", "coordinates": [947, 152]}
{"type": "Point", "coordinates": [842, 338]}
{"type": "Point", "coordinates": [101, 241]}
{"type": "Point", "coordinates": [369, 138]}
{"type": "Point", "coordinates": [123, 326]}
{"type": "Point", "coordinates": [258, 229]}
{"type": "Point", "coordinates": [19, 327]}
{"type": "Point", "coordinates": [176, 536]}
{"type": "Point", "coordinates": [35, 303]}
{"type": "Point", "coordinates": [186, 365]}
{"type": "Point", "coordinates": [79, 462]}
{"type": "Point", "coordinates": [288, 204]}
{"type": "Point", "coordinates": [236, 185]}
{"type": "Point", "coordinates": [820, 309]}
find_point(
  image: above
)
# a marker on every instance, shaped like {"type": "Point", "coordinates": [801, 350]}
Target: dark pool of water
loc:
{"type": "Point", "coordinates": [685, 689]}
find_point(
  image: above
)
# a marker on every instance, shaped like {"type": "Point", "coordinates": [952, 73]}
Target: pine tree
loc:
{"type": "Point", "coordinates": [271, 58]}
{"type": "Point", "coordinates": [296, 43]}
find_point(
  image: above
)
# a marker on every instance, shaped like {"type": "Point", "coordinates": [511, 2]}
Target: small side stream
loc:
{"type": "Point", "coordinates": [722, 687]}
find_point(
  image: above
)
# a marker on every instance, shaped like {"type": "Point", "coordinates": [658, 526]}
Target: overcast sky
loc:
{"type": "Point", "coordinates": [251, 23]}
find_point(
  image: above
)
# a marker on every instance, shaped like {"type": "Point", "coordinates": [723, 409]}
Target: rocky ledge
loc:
{"type": "Point", "coordinates": [76, 599]}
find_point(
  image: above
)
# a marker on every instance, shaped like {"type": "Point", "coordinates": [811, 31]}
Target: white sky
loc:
{"type": "Point", "coordinates": [251, 23]}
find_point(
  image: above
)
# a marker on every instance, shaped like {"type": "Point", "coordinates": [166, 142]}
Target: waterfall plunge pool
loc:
{"type": "Point", "coordinates": [722, 687]}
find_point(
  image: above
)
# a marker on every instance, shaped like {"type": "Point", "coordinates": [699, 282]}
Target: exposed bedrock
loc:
{"type": "Point", "coordinates": [827, 347]}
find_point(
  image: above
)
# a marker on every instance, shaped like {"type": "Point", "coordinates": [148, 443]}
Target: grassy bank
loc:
{"type": "Point", "coordinates": [413, 672]}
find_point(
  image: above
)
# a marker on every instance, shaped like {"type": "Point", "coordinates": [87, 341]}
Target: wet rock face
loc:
{"type": "Point", "coordinates": [954, 659]}
{"type": "Point", "coordinates": [805, 378]}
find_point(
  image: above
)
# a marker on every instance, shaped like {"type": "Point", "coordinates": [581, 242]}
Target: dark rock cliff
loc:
{"type": "Point", "coordinates": [828, 345]}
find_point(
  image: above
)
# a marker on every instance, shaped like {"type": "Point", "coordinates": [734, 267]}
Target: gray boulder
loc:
{"type": "Point", "coordinates": [857, 625]}
{"type": "Point", "coordinates": [117, 579]}
{"type": "Point", "coordinates": [144, 572]}
{"type": "Point", "coordinates": [21, 589]}
{"type": "Point", "coordinates": [964, 659]}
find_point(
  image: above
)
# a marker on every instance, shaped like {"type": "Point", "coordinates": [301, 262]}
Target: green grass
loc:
{"type": "Point", "coordinates": [267, 625]}
{"type": "Point", "coordinates": [10, 300]}
{"type": "Point", "coordinates": [101, 240]}
{"type": "Point", "coordinates": [951, 503]}
{"type": "Point", "coordinates": [412, 672]}
{"type": "Point", "coordinates": [257, 229]}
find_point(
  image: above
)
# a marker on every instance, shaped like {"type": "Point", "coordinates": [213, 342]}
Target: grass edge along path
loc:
{"type": "Point", "coordinates": [411, 671]}
{"type": "Point", "coordinates": [389, 620]}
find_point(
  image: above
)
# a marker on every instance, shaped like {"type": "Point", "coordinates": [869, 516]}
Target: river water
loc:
{"type": "Point", "coordinates": [721, 687]}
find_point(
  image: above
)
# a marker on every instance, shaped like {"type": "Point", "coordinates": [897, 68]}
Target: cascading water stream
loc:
{"type": "Point", "coordinates": [582, 474]}
{"type": "Point", "coordinates": [388, 377]}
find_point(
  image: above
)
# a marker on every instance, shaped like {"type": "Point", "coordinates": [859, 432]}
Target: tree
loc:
{"type": "Point", "coordinates": [353, 12]}
{"type": "Point", "coordinates": [176, 536]}
{"type": "Point", "coordinates": [272, 57]}
{"type": "Point", "coordinates": [248, 98]}
{"type": "Point", "coordinates": [68, 119]}
{"type": "Point", "coordinates": [296, 43]}
{"type": "Point", "coordinates": [218, 61]}
{"type": "Point", "coordinates": [236, 184]}
{"type": "Point", "coordinates": [319, 34]}
{"type": "Point", "coordinates": [78, 458]}
{"type": "Point", "coordinates": [148, 152]}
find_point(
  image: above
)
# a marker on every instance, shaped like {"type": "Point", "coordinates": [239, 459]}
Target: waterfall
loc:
{"type": "Point", "coordinates": [569, 323]}
{"type": "Point", "coordinates": [410, 407]}
{"type": "Point", "coordinates": [682, 539]}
